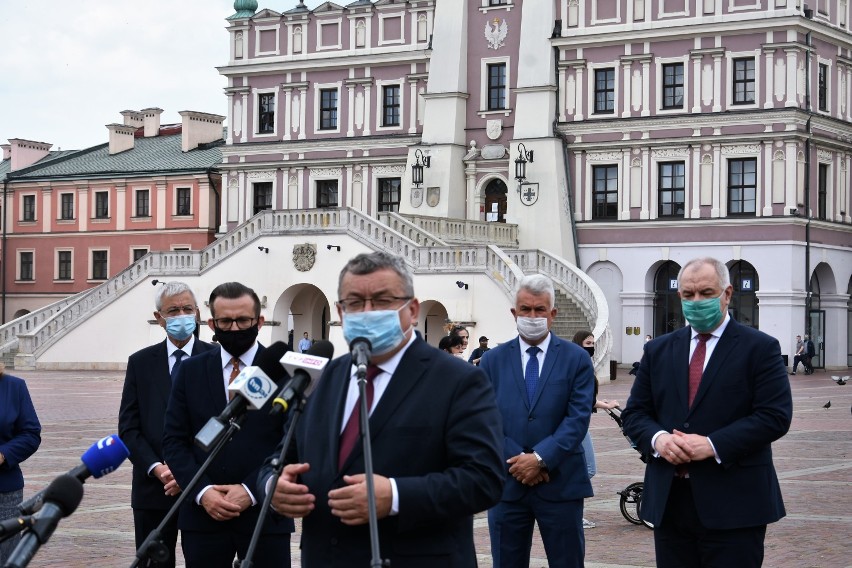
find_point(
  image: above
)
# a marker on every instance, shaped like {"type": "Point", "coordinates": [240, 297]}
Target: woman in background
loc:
{"type": "Point", "coordinates": [586, 340]}
{"type": "Point", "coordinates": [20, 436]}
{"type": "Point", "coordinates": [452, 344]}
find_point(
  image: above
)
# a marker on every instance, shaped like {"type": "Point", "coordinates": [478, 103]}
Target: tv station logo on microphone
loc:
{"type": "Point", "coordinates": [253, 384]}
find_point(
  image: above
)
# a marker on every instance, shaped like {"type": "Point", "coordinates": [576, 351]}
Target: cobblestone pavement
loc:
{"type": "Point", "coordinates": [814, 462]}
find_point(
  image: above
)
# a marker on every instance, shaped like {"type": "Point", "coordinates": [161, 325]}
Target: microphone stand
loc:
{"type": "Point", "coordinates": [376, 559]}
{"type": "Point", "coordinates": [153, 547]}
{"type": "Point", "coordinates": [278, 467]}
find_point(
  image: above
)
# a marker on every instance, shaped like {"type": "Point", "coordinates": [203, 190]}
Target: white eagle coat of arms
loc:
{"type": "Point", "coordinates": [495, 33]}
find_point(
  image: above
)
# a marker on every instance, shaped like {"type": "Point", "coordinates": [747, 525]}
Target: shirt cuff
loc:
{"type": "Point", "coordinates": [715, 453]}
{"type": "Point", "coordinates": [200, 493]}
{"type": "Point", "coordinates": [253, 500]}
{"type": "Point", "coordinates": [152, 466]}
{"type": "Point", "coordinates": [395, 498]}
{"type": "Point", "coordinates": [654, 452]}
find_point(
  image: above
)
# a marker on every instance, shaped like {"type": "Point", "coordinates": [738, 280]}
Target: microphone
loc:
{"type": "Point", "coordinates": [362, 351]}
{"type": "Point", "coordinates": [11, 527]}
{"type": "Point", "coordinates": [254, 385]}
{"type": "Point", "coordinates": [61, 498]}
{"type": "Point", "coordinates": [306, 369]}
{"type": "Point", "coordinates": [103, 457]}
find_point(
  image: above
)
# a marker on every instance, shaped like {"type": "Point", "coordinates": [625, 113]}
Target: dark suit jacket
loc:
{"type": "Point", "coordinates": [556, 422]}
{"type": "Point", "coordinates": [198, 395]}
{"type": "Point", "coordinates": [436, 431]}
{"type": "Point", "coordinates": [743, 404]}
{"type": "Point", "coordinates": [147, 385]}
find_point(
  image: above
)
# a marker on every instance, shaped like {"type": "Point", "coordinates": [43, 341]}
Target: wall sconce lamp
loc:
{"type": "Point", "coordinates": [461, 284]}
{"type": "Point", "coordinates": [336, 247]}
{"type": "Point", "coordinates": [794, 212]}
{"type": "Point", "coordinates": [154, 282]}
{"type": "Point", "coordinates": [524, 156]}
{"type": "Point", "coordinates": [421, 161]}
{"type": "Point", "coordinates": [263, 249]}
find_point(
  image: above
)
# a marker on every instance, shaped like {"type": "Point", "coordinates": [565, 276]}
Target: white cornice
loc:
{"type": "Point", "coordinates": [326, 60]}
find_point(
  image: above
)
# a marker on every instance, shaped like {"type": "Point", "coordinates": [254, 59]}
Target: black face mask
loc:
{"type": "Point", "coordinates": [236, 342]}
{"type": "Point", "coordinates": [590, 350]}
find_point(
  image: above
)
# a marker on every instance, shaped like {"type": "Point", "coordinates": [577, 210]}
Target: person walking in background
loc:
{"type": "Point", "coordinates": [304, 343]}
{"type": "Point", "coordinates": [810, 353]}
{"type": "Point", "coordinates": [477, 353]}
{"type": "Point", "coordinates": [545, 391]}
{"type": "Point", "coordinates": [434, 431]}
{"type": "Point", "coordinates": [799, 355]}
{"type": "Point", "coordinates": [147, 384]}
{"type": "Point", "coordinates": [707, 403]}
{"type": "Point", "coordinates": [20, 437]}
{"type": "Point", "coordinates": [217, 519]}
{"type": "Point", "coordinates": [586, 339]}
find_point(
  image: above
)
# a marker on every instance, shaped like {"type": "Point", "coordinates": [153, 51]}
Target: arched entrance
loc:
{"type": "Point", "coordinates": [496, 194]}
{"type": "Point", "coordinates": [433, 317]}
{"type": "Point", "coordinates": [668, 315]}
{"type": "Point", "coordinates": [743, 307]}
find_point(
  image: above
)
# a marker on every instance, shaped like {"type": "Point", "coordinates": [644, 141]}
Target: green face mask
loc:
{"type": "Point", "coordinates": [703, 315]}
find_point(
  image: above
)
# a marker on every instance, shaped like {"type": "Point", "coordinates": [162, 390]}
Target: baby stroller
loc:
{"type": "Point", "coordinates": [631, 496]}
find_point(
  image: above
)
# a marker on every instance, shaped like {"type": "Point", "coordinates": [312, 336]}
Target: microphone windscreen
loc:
{"type": "Point", "coordinates": [322, 348]}
{"type": "Point", "coordinates": [268, 360]}
{"type": "Point", "coordinates": [66, 492]}
{"type": "Point", "coordinates": [105, 455]}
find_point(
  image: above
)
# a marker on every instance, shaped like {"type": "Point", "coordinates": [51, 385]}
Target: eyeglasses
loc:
{"type": "Point", "coordinates": [380, 303]}
{"type": "Point", "coordinates": [178, 310]}
{"type": "Point", "coordinates": [227, 323]}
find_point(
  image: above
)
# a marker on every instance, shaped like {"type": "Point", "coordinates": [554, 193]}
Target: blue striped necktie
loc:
{"type": "Point", "coordinates": [531, 373]}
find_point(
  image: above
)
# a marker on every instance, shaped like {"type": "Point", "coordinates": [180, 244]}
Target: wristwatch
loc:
{"type": "Point", "coordinates": [541, 464]}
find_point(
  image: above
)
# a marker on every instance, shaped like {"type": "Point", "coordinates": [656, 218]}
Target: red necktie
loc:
{"type": "Point", "coordinates": [696, 365]}
{"type": "Point", "coordinates": [235, 361]}
{"type": "Point", "coordinates": [350, 433]}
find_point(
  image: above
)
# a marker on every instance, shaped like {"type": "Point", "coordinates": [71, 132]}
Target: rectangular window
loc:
{"type": "Point", "coordinates": [184, 204]}
{"type": "Point", "coordinates": [497, 2]}
{"type": "Point", "coordinates": [744, 81]}
{"type": "Point", "coordinates": [139, 253]}
{"type": "Point", "coordinates": [66, 206]}
{"type": "Point", "coordinates": [327, 193]}
{"type": "Point", "coordinates": [496, 86]}
{"type": "Point", "coordinates": [63, 265]}
{"type": "Point", "coordinates": [823, 87]}
{"type": "Point", "coordinates": [29, 208]}
{"type": "Point", "coordinates": [266, 113]}
{"type": "Point", "coordinates": [143, 203]}
{"type": "Point", "coordinates": [328, 109]}
{"type": "Point", "coordinates": [605, 90]}
{"type": "Point", "coordinates": [99, 265]}
{"type": "Point", "coordinates": [671, 190]}
{"type": "Point", "coordinates": [742, 186]}
{"type": "Point", "coordinates": [262, 196]}
{"type": "Point", "coordinates": [673, 85]}
{"type": "Point", "coordinates": [101, 205]}
{"type": "Point", "coordinates": [389, 194]}
{"type": "Point", "coordinates": [26, 266]}
{"type": "Point", "coordinates": [822, 191]}
{"type": "Point", "coordinates": [605, 192]}
{"type": "Point", "coordinates": [390, 105]}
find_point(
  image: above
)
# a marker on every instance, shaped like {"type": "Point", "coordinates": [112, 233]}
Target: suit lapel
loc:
{"type": "Point", "coordinates": [517, 370]}
{"type": "Point", "coordinates": [554, 352]}
{"type": "Point", "coordinates": [723, 348]}
{"type": "Point", "coordinates": [215, 381]}
{"type": "Point", "coordinates": [161, 377]}
{"type": "Point", "coordinates": [337, 404]}
{"type": "Point", "coordinates": [680, 366]}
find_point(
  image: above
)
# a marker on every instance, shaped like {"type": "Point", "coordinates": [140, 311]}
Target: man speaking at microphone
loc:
{"type": "Point", "coordinates": [435, 434]}
{"type": "Point", "coordinates": [218, 518]}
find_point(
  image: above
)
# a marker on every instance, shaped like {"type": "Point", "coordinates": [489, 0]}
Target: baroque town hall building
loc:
{"type": "Point", "coordinates": [601, 142]}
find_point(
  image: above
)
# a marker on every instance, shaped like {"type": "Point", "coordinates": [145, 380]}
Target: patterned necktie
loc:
{"type": "Point", "coordinates": [531, 373]}
{"type": "Point", "coordinates": [350, 433]}
{"type": "Point", "coordinates": [696, 365]}
{"type": "Point", "coordinates": [235, 361]}
{"type": "Point", "coordinates": [178, 356]}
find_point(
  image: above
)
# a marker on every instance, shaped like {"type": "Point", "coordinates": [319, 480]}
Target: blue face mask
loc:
{"type": "Point", "coordinates": [703, 315]}
{"type": "Point", "coordinates": [381, 327]}
{"type": "Point", "coordinates": [180, 327]}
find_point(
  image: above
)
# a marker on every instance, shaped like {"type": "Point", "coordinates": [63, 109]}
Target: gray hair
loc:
{"type": "Point", "coordinates": [722, 273]}
{"type": "Point", "coordinates": [367, 263]}
{"type": "Point", "coordinates": [537, 284]}
{"type": "Point", "coordinates": [169, 289]}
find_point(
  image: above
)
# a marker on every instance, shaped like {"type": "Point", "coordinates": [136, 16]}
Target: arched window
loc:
{"type": "Point", "coordinates": [668, 315]}
{"type": "Point", "coordinates": [743, 307]}
{"type": "Point", "coordinates": [495, 195]}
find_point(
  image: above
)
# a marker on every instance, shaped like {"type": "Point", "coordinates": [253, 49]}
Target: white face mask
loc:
{"type": "Point", "coordinates": [532, 329]}
{"type": "Point", "coordinates": [459, 355]}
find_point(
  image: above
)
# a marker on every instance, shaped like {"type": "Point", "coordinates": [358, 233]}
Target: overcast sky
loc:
{"type": "Point", "coordinates": [67, 68]}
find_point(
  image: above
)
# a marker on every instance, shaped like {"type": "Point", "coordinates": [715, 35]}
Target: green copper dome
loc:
{"type": "Point", "coordinates": [244, 8]}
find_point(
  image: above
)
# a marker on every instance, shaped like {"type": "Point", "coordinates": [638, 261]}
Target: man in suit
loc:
{"type": "Point", "coordinates": [707, 403]}
{"type": "Point", "coordinates": [545, 391]}
{"type": "Point", "coordinates": [434, 431]}
{"type": "Point", "coordinates": [217, 521]}
{"type": "Point", "coordinates": [147, 384]}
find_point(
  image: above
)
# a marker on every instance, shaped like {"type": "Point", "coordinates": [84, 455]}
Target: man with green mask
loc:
{"type": "Point", "coordinates": [707, 403]}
